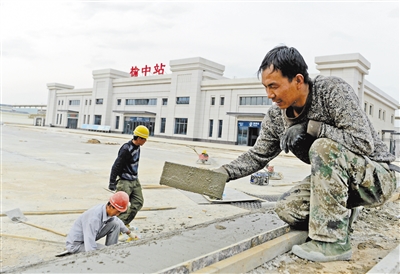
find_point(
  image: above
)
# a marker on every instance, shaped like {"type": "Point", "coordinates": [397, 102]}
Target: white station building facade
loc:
{"type": "Point", "coordinates": [196, 102]}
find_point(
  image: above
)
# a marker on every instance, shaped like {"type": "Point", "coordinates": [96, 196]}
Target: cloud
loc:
{"type": "Point", "coordinates": [58, 41]}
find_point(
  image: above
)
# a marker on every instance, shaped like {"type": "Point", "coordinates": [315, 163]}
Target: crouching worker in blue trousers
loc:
{"type": "Point", "coordinates": [98, 222]}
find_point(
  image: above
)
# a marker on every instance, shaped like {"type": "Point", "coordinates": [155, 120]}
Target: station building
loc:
{"type": "Point", "coordinates": [196, 102]}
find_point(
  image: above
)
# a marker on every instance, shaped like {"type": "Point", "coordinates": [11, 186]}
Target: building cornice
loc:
{"type": "Point", "coordinates": [340, 61]}
{"type": "Point", "coordinates": [244, 83]}
{"type": "Point", "coordinates": [380, 96]}
{"type": "Point", "coordinates": [143, 80]}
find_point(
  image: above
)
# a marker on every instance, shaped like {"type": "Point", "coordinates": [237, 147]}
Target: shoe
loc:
{"type": "Point", "coordinates": [64, 253]}
{"type": "Point", "coordinates": [323, 252]}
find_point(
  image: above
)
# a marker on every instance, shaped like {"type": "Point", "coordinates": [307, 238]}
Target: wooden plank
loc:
{"type": "Point", "coordinates": [256, 256]}
{"type": "Point", "coordinates": [30, 239]}
{"type": "Point", "coordinates": [80, 211]}
{"type": "Point", "coordinates": [155, 187]}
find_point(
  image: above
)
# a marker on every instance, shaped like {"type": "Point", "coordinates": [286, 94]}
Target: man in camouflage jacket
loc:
{"type": "Point", "coordinates": [321, 122]}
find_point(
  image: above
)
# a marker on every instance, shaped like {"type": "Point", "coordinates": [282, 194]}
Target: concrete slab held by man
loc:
{"type": "Point", "coordinates": [322, 123]}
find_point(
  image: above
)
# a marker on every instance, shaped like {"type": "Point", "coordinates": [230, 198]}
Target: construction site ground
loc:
{"type": "Point", "coordinates": [55, 169]}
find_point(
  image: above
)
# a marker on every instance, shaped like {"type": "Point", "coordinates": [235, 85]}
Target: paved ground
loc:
{"type": "Point", "coordinates": [60, 169]}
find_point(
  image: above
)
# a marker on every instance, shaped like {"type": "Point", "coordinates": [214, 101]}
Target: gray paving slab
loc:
{"type": "Point", "coordinates": [195, 247]}
{"type": "Point", "coordinates": [189, 178]}
{"type": "Point", "coordinates": [389, 264]}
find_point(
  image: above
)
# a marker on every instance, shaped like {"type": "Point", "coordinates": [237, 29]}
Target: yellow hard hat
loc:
{"type": "Point", "coordinates": [142, 132]}
{"type": "Point", "coordinates": [204, 152]}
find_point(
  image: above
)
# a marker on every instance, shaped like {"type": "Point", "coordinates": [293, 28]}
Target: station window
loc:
{"type": "Point", "coordinates": [220, 128]}
{"type": "Point", "coordinates": [141, 102]}
{"type": "Point", "coordinates": [371, 110]}
{"type": "Point", "coordinates": [74, 102]}
{"type": "Point", "coordinates": [165, 101]}
{"type": "Point", "coordinates": [97, 119]}
{"type": "Point", "coordinates": [212, 101]}
{"type": "Point", "coordinates": [255, 100]}
{"type": "Point", "coordinates": [99, 101]}
{"type": "Point", "coordinates": [222, 101]}
{"type": "Point", "coordinates": [162, 127]}
{"type": "Point", "coordinates": [182, 100]}
{"type": "Point", "coordinates": [210, 131]}
{"type": "Point", "coordinates": [116, 122]}
{"type": "Point", "coordinates": [118, 102]}
{"type": "Point", "coordinates": [181, 126]}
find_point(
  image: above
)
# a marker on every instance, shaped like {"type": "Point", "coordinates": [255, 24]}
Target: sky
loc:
{"type": "Point", "coordinates": [64, 41]}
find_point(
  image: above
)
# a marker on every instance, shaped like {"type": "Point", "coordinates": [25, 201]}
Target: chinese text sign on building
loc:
{"type": "Point", "coordinates": [158, 69]}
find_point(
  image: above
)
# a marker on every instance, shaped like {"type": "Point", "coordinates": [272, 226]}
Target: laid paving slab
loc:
{"type": "Point", "coordinates": [254, 257]}
{"type": "Point", "coordinates": [182, 251]}
{"type": "Point", "coordinates": [389, 264]}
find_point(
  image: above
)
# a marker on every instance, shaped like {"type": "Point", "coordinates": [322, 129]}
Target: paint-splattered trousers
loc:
{"type": "Point", "coordinates": [134, 190]}
{"type": "Point", "coordinates": [339, 180]}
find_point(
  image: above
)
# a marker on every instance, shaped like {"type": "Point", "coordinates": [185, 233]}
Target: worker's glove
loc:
{"type": "Point", "coordinates": [112, 187]}
{"type": "Point", "coordinates": [223, 171]}
{"type": "Point", "coordinates": [298, 141]}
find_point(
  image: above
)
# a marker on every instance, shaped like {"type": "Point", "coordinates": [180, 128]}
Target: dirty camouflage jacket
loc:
{"type": "Point", "coordinates": [334, 104]}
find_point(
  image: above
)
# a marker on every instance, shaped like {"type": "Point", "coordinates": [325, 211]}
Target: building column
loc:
{"type": "Point", "coordinates": [350, 67]}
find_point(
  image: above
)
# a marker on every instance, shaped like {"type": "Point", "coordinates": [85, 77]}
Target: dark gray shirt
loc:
{"type": "Point", "coordinates": [126, 165]}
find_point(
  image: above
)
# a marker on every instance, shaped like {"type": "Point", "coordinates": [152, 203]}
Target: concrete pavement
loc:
{"type": "Point", "coordinates": [218, 229]}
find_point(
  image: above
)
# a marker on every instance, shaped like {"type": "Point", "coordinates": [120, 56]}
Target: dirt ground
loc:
{"type": "Point", "coordinates": [376, 233]}
{"type": "Point", "coordinates": [50, 170]}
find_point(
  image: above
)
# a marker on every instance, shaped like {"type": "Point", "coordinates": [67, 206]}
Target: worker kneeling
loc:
{"type": "Point", "coordinates": [97, 222]}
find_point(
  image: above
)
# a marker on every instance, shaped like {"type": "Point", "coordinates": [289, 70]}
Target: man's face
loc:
{"type": "Point", "coordinates": [141, 141]}
{"type": "Point", "coordinates": [282, 92]}
{"type": "Point", "coordinates": [112, 211]}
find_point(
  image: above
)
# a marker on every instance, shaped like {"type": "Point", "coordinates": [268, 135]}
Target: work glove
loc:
{"type": "Point", "coordinates": [112, 187]}
{"type": "Point", "coordinates": [223, 171]}
{"type": "Point", "coordinates": [298, 141]}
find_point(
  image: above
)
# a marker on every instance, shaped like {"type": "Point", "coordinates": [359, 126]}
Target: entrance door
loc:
{"type": "Point", "coordinates": [242, 135]}
{"type": "Point", "coordinates": [38, 122]}
{"type": "Point", "coordinates": [129, 126]}
{"type": "Point", "coordinates": [248, 132]}
{"type": "Point", "coordinates": [253, 134]}
{"type": "Point", "coordinates": [72, 123]}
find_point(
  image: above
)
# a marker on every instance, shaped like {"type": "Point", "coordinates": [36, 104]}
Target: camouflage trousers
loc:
{"type": "Point", "coordinates": [339, 180]}
{"type": "Point", "coordinates": [134, 190]}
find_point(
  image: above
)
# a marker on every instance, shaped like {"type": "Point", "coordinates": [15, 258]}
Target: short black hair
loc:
{"type": "Point", "coordinates": [288, 60]}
